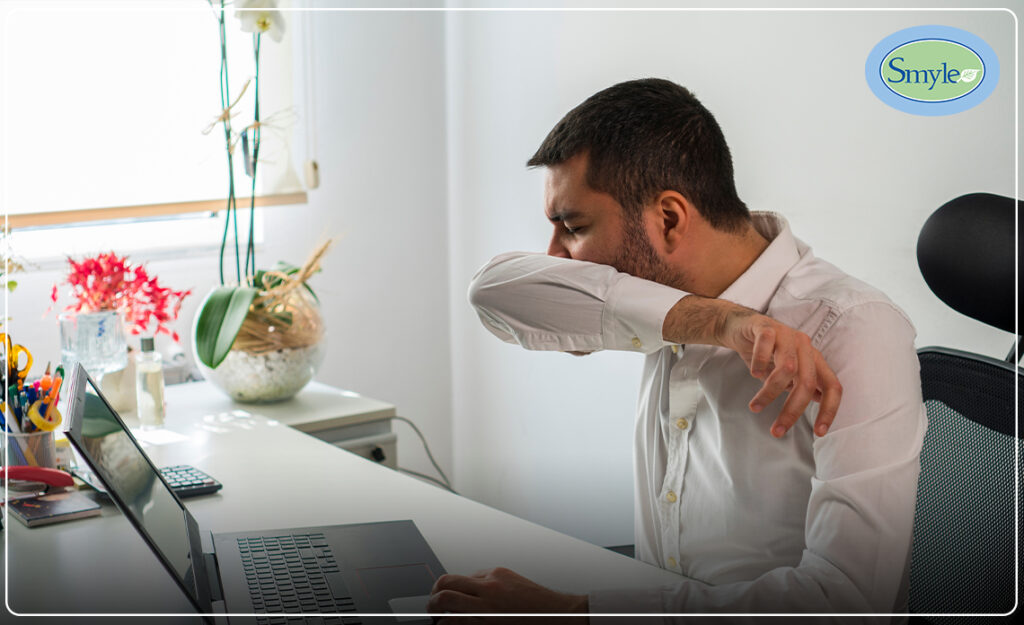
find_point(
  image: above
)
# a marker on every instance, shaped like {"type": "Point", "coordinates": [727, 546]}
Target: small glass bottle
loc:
{"type": "Point", "coordinates": [149, 386]}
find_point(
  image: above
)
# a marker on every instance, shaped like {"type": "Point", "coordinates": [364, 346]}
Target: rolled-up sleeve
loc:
{"type": "Point", "coordinates": [556, 304]}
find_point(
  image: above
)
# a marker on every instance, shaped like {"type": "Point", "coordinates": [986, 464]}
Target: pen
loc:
{"type": "Point", "coordinates": [12, 398]}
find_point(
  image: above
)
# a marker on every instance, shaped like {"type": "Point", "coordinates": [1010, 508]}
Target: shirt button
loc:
{"type": "Point", "coordinates": [671, 497]}
{"type": "Point", "coordinates": [682, 423]}
{"type": "Point", "coordinates": [671, 562]}
{"type": "Point", "coordinates": [636, 342]}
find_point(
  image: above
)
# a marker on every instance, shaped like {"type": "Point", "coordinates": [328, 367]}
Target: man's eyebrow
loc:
{"type": "Point", "coordinates": [563, 215]}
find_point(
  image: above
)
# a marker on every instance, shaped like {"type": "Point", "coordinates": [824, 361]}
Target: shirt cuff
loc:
{"type": "Point", "coordinates": [634, 314]}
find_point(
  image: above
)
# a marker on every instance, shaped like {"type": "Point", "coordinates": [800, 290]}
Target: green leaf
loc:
{"type": "Point", "coordinates": [219, 322]}
{"type": "Point", "coordinates": [284, 267]}
{"type": "Point", "coordinates": [287, 269]}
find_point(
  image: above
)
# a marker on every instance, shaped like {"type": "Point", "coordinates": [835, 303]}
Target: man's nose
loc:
{"type": "Point", "coordinates": [556, 249]}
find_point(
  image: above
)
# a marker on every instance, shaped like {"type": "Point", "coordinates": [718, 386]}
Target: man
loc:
{"type": "Point", "coordinates": [653, 251]}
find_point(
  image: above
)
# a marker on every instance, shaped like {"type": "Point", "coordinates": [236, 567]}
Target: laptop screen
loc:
{"type": "Point", "coordinates": [131, 479]}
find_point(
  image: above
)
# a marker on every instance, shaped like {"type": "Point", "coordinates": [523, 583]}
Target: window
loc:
{"type": "Point", "coordinates": [105, 106]}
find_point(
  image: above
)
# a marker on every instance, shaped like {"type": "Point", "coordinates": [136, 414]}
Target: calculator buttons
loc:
{"type": "Point", "coordinates": [188, 481]}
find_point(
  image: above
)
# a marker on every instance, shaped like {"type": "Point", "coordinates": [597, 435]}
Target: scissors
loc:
{"type": "Point", "coordinates": [15, 371]}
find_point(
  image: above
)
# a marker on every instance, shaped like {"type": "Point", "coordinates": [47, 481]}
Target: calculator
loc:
{"type": "Point", "coordinates": [184, 480]}
{"type": "Point", "coordinates": [188, 481]}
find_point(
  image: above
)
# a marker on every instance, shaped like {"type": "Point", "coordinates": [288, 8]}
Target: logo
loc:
{"type": "Point", "coordinates": [932, 70]}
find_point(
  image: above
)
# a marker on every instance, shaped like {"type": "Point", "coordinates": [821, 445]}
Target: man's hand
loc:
{"type": "Point", "coordinates": [779, 355]}
{"type": "Point", "coordinates": [502, 591]}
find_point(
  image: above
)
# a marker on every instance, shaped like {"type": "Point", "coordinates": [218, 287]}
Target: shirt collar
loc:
{"type": "Point", "coordinates": [757, 285]}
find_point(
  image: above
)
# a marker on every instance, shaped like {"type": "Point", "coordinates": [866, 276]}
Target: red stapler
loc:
{"type": "Point", "coordinates": [53, 477]}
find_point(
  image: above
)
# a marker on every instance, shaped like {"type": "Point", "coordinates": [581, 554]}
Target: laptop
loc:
{"type": "Point", "coordinates": [331, 573]}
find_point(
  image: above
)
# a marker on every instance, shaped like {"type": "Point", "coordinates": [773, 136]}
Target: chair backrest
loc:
{"type": "Point", "coordinates": [962, 559]}
{"type": "Point", "coordinates": [964, 554]}
{"type": "Point", "coordinates": [965, 253]}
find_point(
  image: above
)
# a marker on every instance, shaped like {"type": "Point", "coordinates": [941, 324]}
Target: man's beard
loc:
{"type": "Point", "coordinates": [638, 258]}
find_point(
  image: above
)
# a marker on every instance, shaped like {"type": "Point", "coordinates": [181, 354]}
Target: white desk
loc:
{"type": "Point", "coordinates": [277, 477]}
{"type": "Point", "coordinates": [342, 418]}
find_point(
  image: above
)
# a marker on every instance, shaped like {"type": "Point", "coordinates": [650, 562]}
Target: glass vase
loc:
{"type": "Point", "coordinates": [95, 339]}
{"type": "Point", "coordinates": [278, 350]}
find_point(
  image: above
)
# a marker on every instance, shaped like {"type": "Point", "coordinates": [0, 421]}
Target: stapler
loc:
{"type": "Point", "coordinates": [34, 478]}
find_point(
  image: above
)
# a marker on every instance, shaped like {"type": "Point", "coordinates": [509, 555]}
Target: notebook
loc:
{"type": "Point", "coordinates": [337, 572]}
{"type": "Point", "coordinates": [53, 508]}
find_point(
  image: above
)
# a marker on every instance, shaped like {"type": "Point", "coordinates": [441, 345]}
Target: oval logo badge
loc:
{"type": "Point", "coordinates": [932, 70]}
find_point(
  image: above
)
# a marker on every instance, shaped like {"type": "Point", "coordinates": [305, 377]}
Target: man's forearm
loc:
{"type": "Point", "coordinates": [700, 320]}
{"type": "Point", "coordinates": [781, 356]}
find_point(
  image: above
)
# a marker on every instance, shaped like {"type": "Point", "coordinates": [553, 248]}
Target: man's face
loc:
{"type": "Point", "coordinates": [591, 225]}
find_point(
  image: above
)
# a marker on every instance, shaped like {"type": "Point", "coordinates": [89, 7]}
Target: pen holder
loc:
{"type": "Point", "coordinates": [35, 449]}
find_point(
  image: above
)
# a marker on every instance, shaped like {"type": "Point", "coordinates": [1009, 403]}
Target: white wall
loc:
{"type": "Point", "coordinates": [379, 86]}
{"type": "Point", "coordinates": [547, 436]}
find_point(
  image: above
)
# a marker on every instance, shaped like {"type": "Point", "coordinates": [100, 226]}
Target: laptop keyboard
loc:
{"type": "Point", "coordinates": [292, 574]}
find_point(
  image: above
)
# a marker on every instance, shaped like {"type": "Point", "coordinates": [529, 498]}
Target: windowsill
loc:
{"type": "Point", "coordinates": [144, 240]}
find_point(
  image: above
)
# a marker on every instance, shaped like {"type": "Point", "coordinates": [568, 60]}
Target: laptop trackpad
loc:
{"type": "Point", "coordinates": [407, 580]}
{"type": "Point", "coordinates": [409, 605]}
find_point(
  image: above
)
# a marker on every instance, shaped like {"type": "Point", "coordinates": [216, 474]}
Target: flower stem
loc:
{"type": "Point", "coordinates": [225, 102]}
{"type": "Point", "coordinates": [250, 250]}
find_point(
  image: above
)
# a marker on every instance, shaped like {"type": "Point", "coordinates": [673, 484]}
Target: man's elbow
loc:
{"type": "Point", "coordinates": [478, 294]}
{"type": "Point", "coordinates": [483, 292]}
{"type": "Point", "coordinates": [485, 296]}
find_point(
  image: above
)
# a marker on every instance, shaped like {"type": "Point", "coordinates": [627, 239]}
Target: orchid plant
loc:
{"type": "Point", "coordinates": [224, 310]}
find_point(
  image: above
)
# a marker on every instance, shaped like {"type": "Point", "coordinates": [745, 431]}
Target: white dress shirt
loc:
{"type": "Point", "coordinates": [751, 523]}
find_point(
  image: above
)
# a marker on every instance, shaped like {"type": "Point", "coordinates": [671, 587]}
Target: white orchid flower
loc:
{"type": "Point", "coordinates": [261, 16]}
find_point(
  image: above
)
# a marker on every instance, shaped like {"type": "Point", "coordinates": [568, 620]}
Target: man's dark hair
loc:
{"type": "Point", "coordinates": [644, 137]}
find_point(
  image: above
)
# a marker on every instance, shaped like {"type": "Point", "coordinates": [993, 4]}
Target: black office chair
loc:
{"type": "Point", "coordinates": [963, 554]}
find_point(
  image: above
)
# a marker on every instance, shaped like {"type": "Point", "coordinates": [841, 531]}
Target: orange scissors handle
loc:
{"type": "Point", "coordinates": [15, 369]}
{"type": "Point", "coordinates": [17, 351]}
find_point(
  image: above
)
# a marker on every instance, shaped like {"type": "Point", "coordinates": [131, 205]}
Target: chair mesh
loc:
{"type": "Point", "coordinates": [962, 561]}
{"type": "Point", "coordinates": [978, 389]}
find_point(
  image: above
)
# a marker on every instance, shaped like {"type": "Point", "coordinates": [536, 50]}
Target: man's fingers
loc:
{"type": "Point", "coordinates": [761, 357]}
{"type": "Point", "coordinates": [831, 392]}
{"type": "Point", "coordinates": [786, 361]}
{"type": "Point", "coordinates": [781, 377]}
{"type": "Point", "coordinates": [458, 583]}
{"type": "Point", "coordinates": [454, 601]}
{"type": "Point", "coordinates": [775, 385]}
{"type": "Point", "coordinates": [801, 388]}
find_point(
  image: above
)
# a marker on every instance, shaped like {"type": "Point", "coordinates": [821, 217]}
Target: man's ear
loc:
{"type": "Point", "coordinates": [673, 215]}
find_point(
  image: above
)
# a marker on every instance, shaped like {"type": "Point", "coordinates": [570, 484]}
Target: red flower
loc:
{"type": "Point", "coordinates": [109, 282]}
